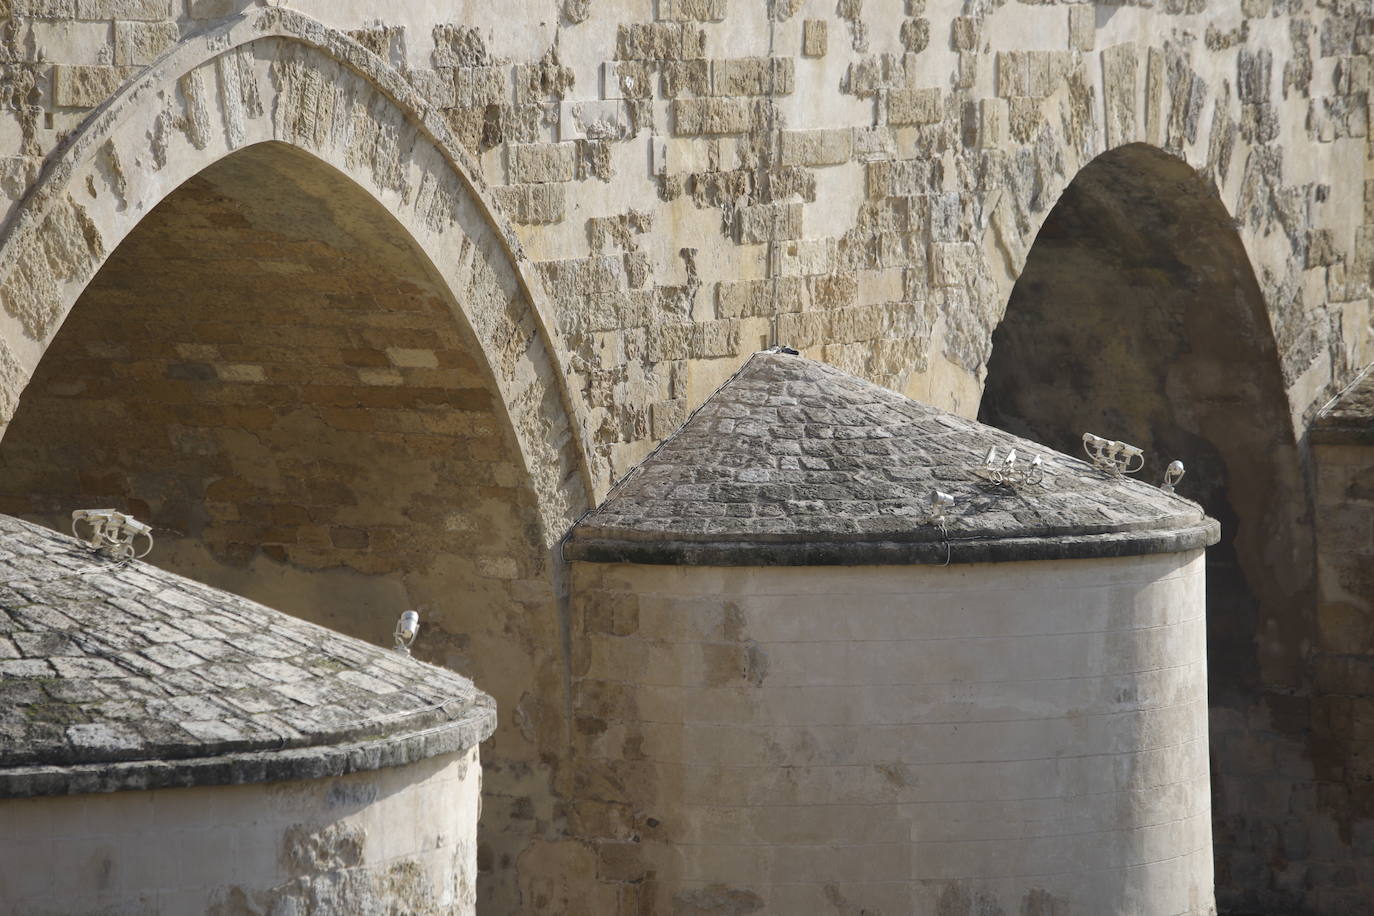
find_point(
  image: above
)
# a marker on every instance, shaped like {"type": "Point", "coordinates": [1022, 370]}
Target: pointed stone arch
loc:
{"type": "Point", "coordinates": [275, 76]}
{"type": "Point", "coordinates": [276, 91]}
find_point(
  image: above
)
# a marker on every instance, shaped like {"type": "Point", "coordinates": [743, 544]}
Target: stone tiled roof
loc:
{"type": "Point", "coordinates": [1349, 418]}
{"type": "Point", "coordinates": [129, 677]}
{"type": "Point", "coordinates": [795, 462]}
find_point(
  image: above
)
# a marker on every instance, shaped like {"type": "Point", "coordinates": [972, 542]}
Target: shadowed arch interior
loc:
{"type": "Point", "coordinates": [1138, 317]}
{"type": "Point", "coordinates": [267, 371]}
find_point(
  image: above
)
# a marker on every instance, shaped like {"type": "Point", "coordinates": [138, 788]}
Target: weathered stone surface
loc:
{"type": "Point", "coordinates": [139, 43]}
{"type": "Point", "coordinates": [85, 87]}
{"type": "Point", "coordinates": [1243, 95]}
{"type": "Point", "coordinates": [151, 10]}
{"type": "Point", "coordinates": [817, 147]}
{"type": "Point", "coordinates": [712, 116]}
{"type": "Point", "coordinates": [543, 162]}
{"type": "Point", "coordinates": [145, 679]}
{"type": "Point", "coordinates": [914, 106]}
{"type": "Point", "coordinates": [814, 37]}
{"type": "Point", "coordinates": [795, 462]}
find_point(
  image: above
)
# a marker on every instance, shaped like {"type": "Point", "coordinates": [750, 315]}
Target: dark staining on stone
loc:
{"type": "Point", "coordinates": [716, 900]}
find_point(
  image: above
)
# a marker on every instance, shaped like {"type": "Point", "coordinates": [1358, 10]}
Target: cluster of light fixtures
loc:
{"type": "Point", "coordinates": [1113, 457]}
{"type": "Point", "coordinates": [112, 533]}
{"type": "Point", "coordinates": [1010, 471]}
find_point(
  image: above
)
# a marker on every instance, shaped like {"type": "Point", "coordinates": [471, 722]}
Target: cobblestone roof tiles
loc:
{"type": "Point", "coordinates": [129, 677]}
{"type": "Point", "coordinates": [795, 462]}
{"type": "Point", "coordinates": [1349, 418]}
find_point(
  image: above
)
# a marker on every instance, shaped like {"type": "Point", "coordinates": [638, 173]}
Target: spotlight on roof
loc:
{"type": "Point", "coordinates": [406, 629]}
{"type": "Point", "coordinates": [1172, 475]}
{"type": "Point", "coordinates": [112, 533]}
{"type": "Point", "coordinates": [940, 502]}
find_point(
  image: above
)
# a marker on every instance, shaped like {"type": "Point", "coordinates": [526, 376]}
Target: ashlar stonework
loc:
{"type": "Point", "coordinates": [499, 252]}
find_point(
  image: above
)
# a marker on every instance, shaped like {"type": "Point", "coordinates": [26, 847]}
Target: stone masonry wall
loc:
{"type": "Point", "coordinates": [692, 178]}
{"type": "Point", "coordinates": [678, 182]}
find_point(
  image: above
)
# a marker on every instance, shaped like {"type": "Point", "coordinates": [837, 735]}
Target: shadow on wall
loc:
{"type": "Point", "coordinates": [1138, 317]}
{"type": "Point", "coordinates": [269, 373]}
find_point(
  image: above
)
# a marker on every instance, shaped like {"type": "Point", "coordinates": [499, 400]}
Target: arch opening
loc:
{"type": "Point", "coordinates": [268, 371]}
{"type": "Point", "coordinates": [1138, 317]}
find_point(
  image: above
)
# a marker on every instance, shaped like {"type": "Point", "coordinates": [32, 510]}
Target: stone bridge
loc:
{"type": "Point", "coordinates": [364, 305]}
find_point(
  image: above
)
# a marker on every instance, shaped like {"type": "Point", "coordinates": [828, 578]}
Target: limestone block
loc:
{"type": "Point", "coordinates": [915, 35]}
{"type": "Point", "coordinates": [595, 120]}
{"type": "Point", "coordinates": [817, 147]}
{"type": "Point", "coordinates": [681, 157]}
{"type": "Point", "coordinates": [1013, 73]}
{"type": "Point", "coordinates": [814, 38]}
{"type": "Point", "coordinates": [690, 77]}
{"type": "Point", "coordinates": [712, 116]}
{"type": "Point", "coordinates": [542, 203]}
{"type": "Point", "coordinates": [1154, 97]}
{"type": "Point", "coordinates": [584, 276]}
{"type": "Point", "coordinates": [715, 338]}
{"type": "Point", "coordinates": [626, 79]}
{"type": "Point", "coordinates": [913, 106]}
{"type": "Point", "coordinates": [992, 119]}
{"type": "Point", "coordinates": [139, 43]}
{"type": "Point", "coordinates": [833, 291]}
{"type": "Point", "coordinates": [753, 76]}
{"type": "Point", "coordinates": [659, 41]}
{"type": "Point", "coordinates": [967, 74]}
{"type": "Point", "coordinates": [1024, 118]}
{"type": "Point", "coordinates": [70, 42]}
{"type": "Point", "coordinates": [1119, 67]}
{"type": "Point", "coordinates": [963, 33]}
{"type": "Point", "coordinates": [538, 162]}
{"type": "Point", "coordinates": [900, 178]}
{"type": "Point", "coordinates": [953, 264]}
{"type": "Point", "coordinates": [802, 257]}
{"type": "Point", "coordinates": [857, 323]}
{"type": "Point", "coordinates": [1082, 27]}
{"type": "Point", "coordinates": [752, 298]}
{"type": "Point", "coordinates": [665, 418]}
{"type": "Point", "coordinates": [85, 87]}
{"type": "Point", "coordinates": [691, 10]}
{"type": "Point", "coordinates": [476, 86]}
{"type": "Point", "coordinates": [147, 10]}
{"type": "Point", "coordinates": [801, 329]}
{"type": "Point", "coordinates": [766, 222]}
{"type": "Point", "coordinates": [1253, 74]}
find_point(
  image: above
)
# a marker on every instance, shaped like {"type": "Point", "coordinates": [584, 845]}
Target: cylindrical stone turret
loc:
{"type": "Point", "coordinates": [813, 697]}
{"type": "Point", "coordinates": [166, 747]}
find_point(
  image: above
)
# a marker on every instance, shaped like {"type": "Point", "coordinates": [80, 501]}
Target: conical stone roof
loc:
{"type": "Point", "coordinates": [794, 462]}
{"type": "Point", "coordinates": [129, 677]}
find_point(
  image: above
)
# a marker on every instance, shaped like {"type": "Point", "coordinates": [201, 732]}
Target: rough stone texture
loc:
{"type": "Point", "coordinates": [793, 461]}
{"type": "Point", "coordinates": [123, 676]}
{"type": "Point", "coordinates": [1267, 101]}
